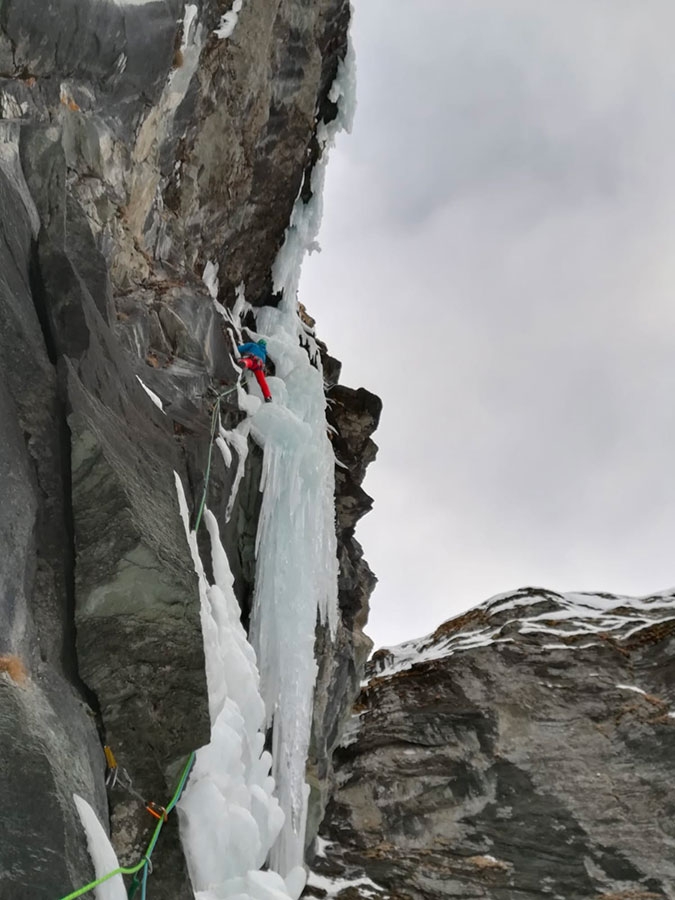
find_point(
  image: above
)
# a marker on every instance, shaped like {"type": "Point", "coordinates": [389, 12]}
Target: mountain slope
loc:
{"type": "Point", "coordinates": [522, 750]}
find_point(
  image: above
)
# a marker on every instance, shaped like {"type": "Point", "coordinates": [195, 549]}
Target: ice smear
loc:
{"type": "Point", "coordinates": [229, 818]}
{"type": "Point", "coordinates": [210, 278]}
{"type": "Point", "coordinates": [102, 854]}
{"type": "Point", "coordinates": [629, 687]}
{"type": "Point", "coordinates": [228, 22]}
{"type": "Point", "coordinates": [238, 439]}
{"type": "Point", "coordinates": [321, 845]}
{"type": "Point", "coordinates": [296, 574]}
{"type": "Point", "coordinates": [152, 395]}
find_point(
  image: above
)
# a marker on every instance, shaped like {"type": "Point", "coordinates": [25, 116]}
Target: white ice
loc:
{"type": "Point", "coordinates": [102, 854]}
{"type": "Point", "coordinates": [210, 278]}
{"type": "Point", "coordinates": [296, 573]}
{"type": "Point", "coordinates": [237, 440]}
{"type": "Point", "coordinates": [229, 818]}
{"type": "Point", "coordinates": [228, 21]}
{"type": "Point", "coordinates": [151, 394]}
{"type": "Point", "coordinates": [629, 687]}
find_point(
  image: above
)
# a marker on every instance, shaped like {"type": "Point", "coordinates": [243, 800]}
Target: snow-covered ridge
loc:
{"type": "Point", "coordinates": [560, 621]}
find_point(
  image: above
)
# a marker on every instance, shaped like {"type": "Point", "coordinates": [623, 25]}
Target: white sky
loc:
{"type": "Point", "coordinates": [497, 266]}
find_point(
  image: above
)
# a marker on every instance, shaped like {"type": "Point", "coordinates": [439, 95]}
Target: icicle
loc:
{"type": "Point", "coordinates": [228, 815]}
{"type": "Point", "coordinates": [297, 568]}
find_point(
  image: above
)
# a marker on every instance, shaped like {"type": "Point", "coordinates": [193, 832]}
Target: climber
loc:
{"type": "Point", "coordinates": [253, 356]}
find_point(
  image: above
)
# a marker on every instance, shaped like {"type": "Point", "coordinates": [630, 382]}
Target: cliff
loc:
{"type": "Point", "coordinates": [522, 750]}
{"type": "Point", "coordinates": [160, 176]}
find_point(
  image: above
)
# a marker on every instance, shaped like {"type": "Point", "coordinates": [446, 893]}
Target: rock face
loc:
{"type": "Point", "coordinates": [142, 146]}
{"type": "Point", "coordinates": [522, 750]}
{"type": "Point", "coordinates": [353, 416]}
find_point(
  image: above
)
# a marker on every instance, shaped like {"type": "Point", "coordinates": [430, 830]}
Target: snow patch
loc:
{"type": "Point", "coordinates": [320, 846]}
{"type": "Point", "coordinates": [151, 394]}
{"type": "Point", "coordinates": [630, 687]}
{"type": "Point", "coordinates": [333, 886]}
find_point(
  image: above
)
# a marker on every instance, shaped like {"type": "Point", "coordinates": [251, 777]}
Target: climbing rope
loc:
{"type": "Point", "coordinates": [153, 840]}
{"type": "Point", "coordinates": [145, 862]}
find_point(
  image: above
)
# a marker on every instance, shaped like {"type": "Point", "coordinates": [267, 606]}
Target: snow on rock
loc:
{"type": "Point", "coordinates": [333, 886]}
{"type": "Point", "coordinates": [229, 818]}
{"type": "Point", "coordinates": [151, 394]}
{"type": "Point", "coordinates": [533, 611]}
{"type": "Point", "coordinates": [102, 854]}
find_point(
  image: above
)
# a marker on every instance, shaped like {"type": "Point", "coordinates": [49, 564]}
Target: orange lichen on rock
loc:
{"type": "Point", "coordinates": [472, 617]}
{"type": "Point", "coordinates": [13, 666]}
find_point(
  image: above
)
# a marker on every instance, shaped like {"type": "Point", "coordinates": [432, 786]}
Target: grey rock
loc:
{"type": "Point", "coordinates": [520, 751]}
{"type": "Point", "coordinates": [49, 749]}
{"type": "Point", "coordinates": [135, 146]}
{"type": "Point", "coordinates": [49, 746]}
{"type": "Point", "coordinates": [353, 416]}
{"type": "Point", "coordinates": [137, 609]}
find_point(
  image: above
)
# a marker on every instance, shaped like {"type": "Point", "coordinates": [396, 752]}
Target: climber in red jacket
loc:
{"type": "Point", "coordinates": [253, 357]}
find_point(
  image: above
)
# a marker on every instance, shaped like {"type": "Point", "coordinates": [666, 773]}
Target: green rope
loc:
{"type": "Point", "coordinates": [155, 837]}
{"type": "Point", "coordinates": [93, 884]}
{"type": "Point", "coordinates": [133, 870]}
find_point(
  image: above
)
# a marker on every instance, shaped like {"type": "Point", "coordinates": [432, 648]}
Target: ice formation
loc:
{"type": "Point", "coordinates": [297, 569]}
{"type": "Point", "coordinates": [102, 854]}
{"type": "Point", "coordinates": [230, 817]}
{"type": "Point", "coordinates": [151, 394]}
{"type": "Point", "coordinates": [296, 549]}
{"type": "Point", "coordinates": [228, 21]}
{"type": "Point", "coordinates": [210, 278]}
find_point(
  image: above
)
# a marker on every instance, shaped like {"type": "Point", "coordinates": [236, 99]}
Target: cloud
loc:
{"type": "Point", "coordinates": [497, 265]}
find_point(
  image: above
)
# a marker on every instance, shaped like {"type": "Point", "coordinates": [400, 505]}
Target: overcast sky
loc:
{"type": "Point", "coordinates": [498, 265]}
